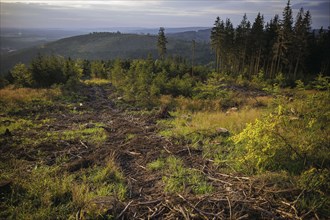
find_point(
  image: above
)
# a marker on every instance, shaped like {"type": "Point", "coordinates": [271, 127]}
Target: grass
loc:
{"type": "Point", "coordinates": [13, 123]}
{"type": "Point", "coordinates": [11, 94]}
{"type": "Point", "coordinates": [97, 81]}
{"type": "Point", "coordinates": [95, 135]}
{"type": "Point", "coordinates": [178, 178]}
{"type": "Point", "coordinates": [40, 191]}
{"type": "Point", "coordinates": [47, 191]}
{"type": "Point", "coordinates": [130, 137]}
{"type": "Point", "coordinates": [78, 132]}
{"type": "Point", "coordinates": [156, 165]}
{"type": "Point", "coordinates": [12, 98]}
{"type": "Point", "coordinates": [184, 123]}
{"type": "Point", "coordinates": [33, 195]}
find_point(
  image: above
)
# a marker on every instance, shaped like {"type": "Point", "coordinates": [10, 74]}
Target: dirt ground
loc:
{"type": "Point", "coordinates": [233, 197]}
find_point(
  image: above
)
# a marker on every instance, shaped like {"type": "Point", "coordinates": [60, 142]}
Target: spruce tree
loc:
{"type": "Point", "coordinates": [216, 41]}
{"type": "Point", "coordinates": [301, 33]}
{"type": "Point", "coordinates": [271, 36]}
{"type": "Point", "coordinates": [241, 42]}
{"type": "Point", "coordinates": [161, 43]}
{"type": "Point", "coordinates": [287, 29]}
{"type": "Point", "coordinates": [256, 43]}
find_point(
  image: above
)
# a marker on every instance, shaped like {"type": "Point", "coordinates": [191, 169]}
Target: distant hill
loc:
{"type": "Point", "coordinates": [167, 30]}
{"type": "Point", "coordinates": [12, 39]}
{"type": "Point", "coordinates": [110, 46]}
{"type": "Point", "coordinates": [198, 36]}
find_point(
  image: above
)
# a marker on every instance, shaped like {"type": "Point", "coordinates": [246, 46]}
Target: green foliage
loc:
{"type": "Point", "coordinates": [161, 43]}
{"type": "Point", "coordinates": [22, 76]}
{"type": "Point", "coordinates": [300, 85]}
{"type": "Point", "coordinates": [294, 138]}
{"type": "Point", "coordinates": [315, 184]}
{"type": "Point", "coordinates": [322, 82]}
{"type": "Point", "coordinates": [47, 191]}
{"type": "Point", "coordinates": [118, 77]}
{"type": "Point", "coordinates": [95, 135]}
{"type": "Point", "coordinates": [180, 86]}
{"type": "Point", "coordinates": [273, 89]}
{"type": "Point", "coordinates": [280, 80]}
{"type": "Point", "coordinates": [213, 88]}
{"type": "Point", "coordinates": [180, 179]}
{"type": "Point", "coordinates": [259, 146]}
{"type": "Point", "coordinates": [48, 70]}
{"type": "Point", "coordinates": [108, 180]}
{"type": "Point", "coordinates": [156, 165]}
{"type": "Point", "coordinates": [98, 70]}
{"type": "Point", "coordinates": [16, 124]}
{"type": "Point", "coordinates": [39, 195]}
{"type": "Point", "coordinates": [72, 70]}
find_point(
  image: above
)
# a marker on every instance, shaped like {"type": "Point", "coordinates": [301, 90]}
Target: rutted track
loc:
{"type": "Point", "coordinates": [234, 197]}
{"type": "Point", "coordinates": [133, 142]}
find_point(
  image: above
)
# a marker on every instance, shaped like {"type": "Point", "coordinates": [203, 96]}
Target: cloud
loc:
{"type": "Point", "coordinates": [146, 13]}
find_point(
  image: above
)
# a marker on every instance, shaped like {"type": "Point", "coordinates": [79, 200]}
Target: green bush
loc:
{"type": "Point", "coordinates": [322, 82]}
{"type": "Point", "coordinates": [22, 76]}
{"type": "Point", "coordinates": [294, 138]}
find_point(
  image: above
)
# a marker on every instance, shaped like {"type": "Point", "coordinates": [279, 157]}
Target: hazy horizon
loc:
{"type": "Point", "coordinates": [101, 14]}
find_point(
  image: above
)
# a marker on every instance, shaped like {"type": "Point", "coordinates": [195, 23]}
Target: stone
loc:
{"type": "Point", "coordinates": [222, 132]}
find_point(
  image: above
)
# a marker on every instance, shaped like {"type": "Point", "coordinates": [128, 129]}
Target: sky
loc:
{"type": "Point", "coordinates": [78, 14]}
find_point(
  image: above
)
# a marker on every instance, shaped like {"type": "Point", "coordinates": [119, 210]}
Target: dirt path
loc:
{"type": "Point", "coordinates": [133, 142]}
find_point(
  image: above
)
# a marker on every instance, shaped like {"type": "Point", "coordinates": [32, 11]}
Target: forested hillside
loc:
{"type": "Point", "coordinates": [105, 46]}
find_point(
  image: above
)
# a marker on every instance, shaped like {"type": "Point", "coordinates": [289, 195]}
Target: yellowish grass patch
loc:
{"type": "Point", "coordinates": [97, 81]}
{"type": "Point", "coordinates": [11, 95]}
{"type": "Point", "coordinates": [185, 124]}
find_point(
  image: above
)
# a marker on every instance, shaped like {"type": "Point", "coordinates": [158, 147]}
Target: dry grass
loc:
{"type": "Point", "coordinates": [184, 124]}
{"type": "Point", "coordinates": [96, 81]}
{"type": "Point", "coordinates": [259, 101]}
{"type": "Point", "coordinates": [188, 104]}
{"type": "Point", "coordinates": [234, 121]}
{"type": "Point", "coordinates": [10, 95]}
{"type": "Point", "coordinates": [194, 105]}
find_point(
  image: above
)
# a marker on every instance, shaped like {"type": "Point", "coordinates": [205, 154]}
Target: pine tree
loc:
{"type": "Point", "coordinates": [86, 69]}
{"type": "Point", "coordinates": [193, 47]}
{"type": "Point", "coordinates": [228, 46]}
{"type": "Point", "coordinates": [242, 36]}
{"type": "Point", "coordinates": [22, 76]}
{"type": "Point", "coordinates": [271, 36]}
{"type": "Point", "coordinates": [161, 43]}
{"type": "Point", "coordinates": [48, 70]}
{"type": "Point", "coordinates": [301, 33]}
{"type": "Point", "coordinates": [216, 41]}
{"type": "Point", "coordinates": [256, 43]}
{"type": "Point", "coordinates": [72, 70]}
{"type": "Point", "coordinates": [288, 38]}
{"type": "Point", "coordinates": [99, 70]}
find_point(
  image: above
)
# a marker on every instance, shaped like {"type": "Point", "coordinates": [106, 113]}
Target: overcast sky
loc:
{"type": "Point", "coordinates": [148, 13]}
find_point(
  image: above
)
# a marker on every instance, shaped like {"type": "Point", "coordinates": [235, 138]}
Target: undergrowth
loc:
{"type": "Point", "coordinates": [180, 179]}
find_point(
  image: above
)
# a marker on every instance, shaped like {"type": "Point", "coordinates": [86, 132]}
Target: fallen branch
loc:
{"type": "Point", "coordinates": [83, 144]}
{"type": "Point", "coordinates": [122, 212]}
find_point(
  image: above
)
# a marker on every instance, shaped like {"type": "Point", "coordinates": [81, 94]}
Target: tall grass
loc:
{"type": "Point", "coordinates": [97, 81]}
{"type": "Point", "coordinates": [186, 123]}
{"type": "Point", "coordinates": [11, 94]}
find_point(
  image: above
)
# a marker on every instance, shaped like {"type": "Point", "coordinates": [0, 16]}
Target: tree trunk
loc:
{"type": "Point", "coordinates": [296, 68]}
